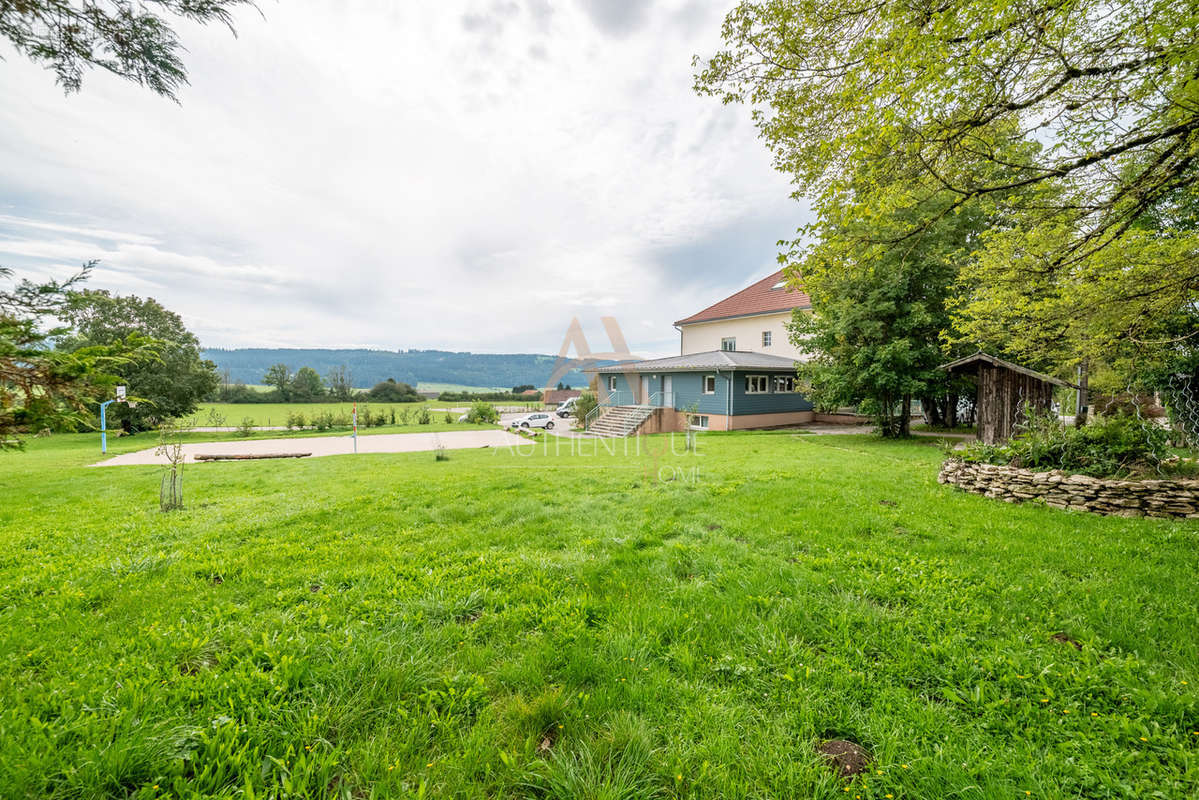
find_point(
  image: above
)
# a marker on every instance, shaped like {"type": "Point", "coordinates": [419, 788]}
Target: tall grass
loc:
{"type": "Point", "coordinates": [558, 624]}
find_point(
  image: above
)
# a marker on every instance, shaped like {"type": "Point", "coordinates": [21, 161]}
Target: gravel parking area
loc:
{"type": "Point", "coordinates": [330, 446]}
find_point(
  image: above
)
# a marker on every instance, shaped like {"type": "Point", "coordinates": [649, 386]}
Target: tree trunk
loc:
{"type": "Point", "coordinates": [886, 416]}
{"type": "Point", "coordinates": [905, 417]}
{"type": "Point", "coordinates": [951, 410]}
{"type": "Point", "coordinates": [1080, 413]}
{"type": "Point", "coordinates": [932, 412]}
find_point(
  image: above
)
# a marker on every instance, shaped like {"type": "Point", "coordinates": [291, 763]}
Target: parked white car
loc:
{"type": "Point", "coordinates": [538, 419]}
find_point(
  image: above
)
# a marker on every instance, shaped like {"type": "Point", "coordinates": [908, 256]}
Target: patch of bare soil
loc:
{"type": "Point", "coordinates": [1062, 638]}
{"type": "Point", "coordinates": [846, 757]}
{"type": "Point", "coordinates": [548, 739]}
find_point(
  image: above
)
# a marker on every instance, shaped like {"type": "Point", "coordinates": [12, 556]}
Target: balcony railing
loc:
{"type": "Point", "coordinates": [619, 397]}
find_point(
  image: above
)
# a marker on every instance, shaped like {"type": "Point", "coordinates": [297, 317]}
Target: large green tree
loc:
{"type": "Point", "coordinates": [307, 386]}
{"type": "Point", "coordinates": [878, 314]}
{"type": "Point", "coordinates": [1083, 115]}
{"type": "Point", "coordinates": [42, 388]}
{"type": "Point", "coordinates": [134, 41]}
{"type": "Point", "coordinates": [279, 376]}
{"type": "Point", "coordinates": [171, 385]}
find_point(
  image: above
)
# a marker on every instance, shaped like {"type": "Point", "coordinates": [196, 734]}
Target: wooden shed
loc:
{"type": "Point", "coordinates": [1005, 392]}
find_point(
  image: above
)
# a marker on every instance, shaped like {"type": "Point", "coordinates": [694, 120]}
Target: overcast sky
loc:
{"type": "Point", "coordinates": [452, 175]}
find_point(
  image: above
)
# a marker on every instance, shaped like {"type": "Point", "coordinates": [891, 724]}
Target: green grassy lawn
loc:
{"type": "Point", "coordinates": [558, 624]}
{"type": "Point", "coordinates": [276, 413]}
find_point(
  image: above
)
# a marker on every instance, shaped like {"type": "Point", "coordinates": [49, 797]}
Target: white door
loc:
{"type": "Point", "coordinates": [668, 391]}
{"type": "Point", "coordinates": [645, 389]}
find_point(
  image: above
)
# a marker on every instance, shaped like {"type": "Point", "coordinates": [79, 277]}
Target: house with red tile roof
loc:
{"type": "Point", "coordinates": [750, 321]}
{"type": "Point", "coordinates": [736, 370]}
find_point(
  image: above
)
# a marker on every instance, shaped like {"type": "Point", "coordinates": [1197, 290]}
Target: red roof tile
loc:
{"type": "Point", "coordinates": [761, 298]}
{"type": "Point", "coordinates": [556, 396]}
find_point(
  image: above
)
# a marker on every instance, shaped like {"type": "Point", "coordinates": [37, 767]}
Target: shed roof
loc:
{"type": "Point", "coordinates": [696, 362]}
{"type": "Point", "coordinates": [986, 358]}
{"type": "Point", "coordinates": [768, 296]}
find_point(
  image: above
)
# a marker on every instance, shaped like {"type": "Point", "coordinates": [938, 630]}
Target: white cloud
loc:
{"type": "Point", "coordinates": [404, 175]}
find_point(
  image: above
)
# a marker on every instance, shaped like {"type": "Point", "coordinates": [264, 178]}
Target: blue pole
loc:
{"type": "Point", "coordinates": [104, 427]}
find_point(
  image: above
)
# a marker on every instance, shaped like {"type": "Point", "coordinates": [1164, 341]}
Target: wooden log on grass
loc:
{"type": "Point", "coordinates": [246, 456]}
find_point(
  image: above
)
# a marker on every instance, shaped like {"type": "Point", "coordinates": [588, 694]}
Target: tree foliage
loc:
{"type": "Point", "coordinates": [877, 314]}
{"type": "Point", "coordinates": [391, 391]}
{"type": "Point", "coordinates": [307, 386]}
{"type": "Point", "coordinates": [43, 388]}
{"type": "Point", "coordinates": [134, 41]}
{"type": "Point", "coordinates": [168, 386]}
{"type": "Point", "coordinates": [341, 383]}
{"type": "Point", "coordinates": [1079, 119]}
{"type": "Point", "coordinates": [279, 376]}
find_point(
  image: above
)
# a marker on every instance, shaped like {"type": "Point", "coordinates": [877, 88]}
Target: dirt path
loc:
{"type": "Point", "coordinates": [331, 445]}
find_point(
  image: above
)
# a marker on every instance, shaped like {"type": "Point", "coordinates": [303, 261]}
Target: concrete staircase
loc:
{"type": "Point", "coordinates": [620, 421]}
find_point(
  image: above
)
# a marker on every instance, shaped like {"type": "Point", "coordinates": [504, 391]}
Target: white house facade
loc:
{"type": "Point", "coordinates": [750, 321]}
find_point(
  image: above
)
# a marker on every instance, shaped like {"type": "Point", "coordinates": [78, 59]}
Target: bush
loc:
{"type": "Point", "coordinates": [295, 420]}
{"type": "Point", "coordinates": [323, 421]}
{"type": "Point", "coordinates": [246, 426]}
{"type": "Point", "coordinates": [342, 420]}
{"type": "Point", "coordinates": [391, 391]}
{"type": "Point", "coordinates": [482, 413]}
{"type": "Point", "coordinates": [423, 417]}
{"type": "Point", "coordinates": [449, 418]}
{"type": "Point", "coordinates": [1111, 446]}
{"type": "Point", "coordinates": [585, 405]}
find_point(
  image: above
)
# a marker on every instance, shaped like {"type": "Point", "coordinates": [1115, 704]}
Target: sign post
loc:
{"type": "Point", "coordinates": [355, 426]}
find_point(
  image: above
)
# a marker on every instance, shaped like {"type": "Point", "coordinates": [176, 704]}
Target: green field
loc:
{"type": "Point", "coordinates": [277, 413]}
{"type": "Point", "coordinates": [584, 625]}
{"type": "Point", "coordinates": [425, 386]}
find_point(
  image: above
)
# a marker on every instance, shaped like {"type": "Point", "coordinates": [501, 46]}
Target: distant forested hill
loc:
{"type": "Point", "coordinates": [368, 367]}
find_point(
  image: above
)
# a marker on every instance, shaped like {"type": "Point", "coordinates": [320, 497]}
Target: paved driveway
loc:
{"type": "Point", "coordinates": [331, 445]}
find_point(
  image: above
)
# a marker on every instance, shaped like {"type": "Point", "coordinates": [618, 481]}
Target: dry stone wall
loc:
{"type": "Point", "coordinates": [1125, 498]}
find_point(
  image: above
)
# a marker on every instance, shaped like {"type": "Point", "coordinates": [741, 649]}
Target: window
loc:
{"type": "Point", "coordinates": [611, 383]}
{"type": "Point", "coordinates": [757, 384]}
{"type": "Point", "coordinates": [784, 383]}
{"type": "Point", "coordinates": [766, 337]}
{"type": "Point", "coordinates": [728, 343]}
{"type": "Point", "coordinates": [700, 422]}
{"type": "Point", "coordinates": [709, 384]}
